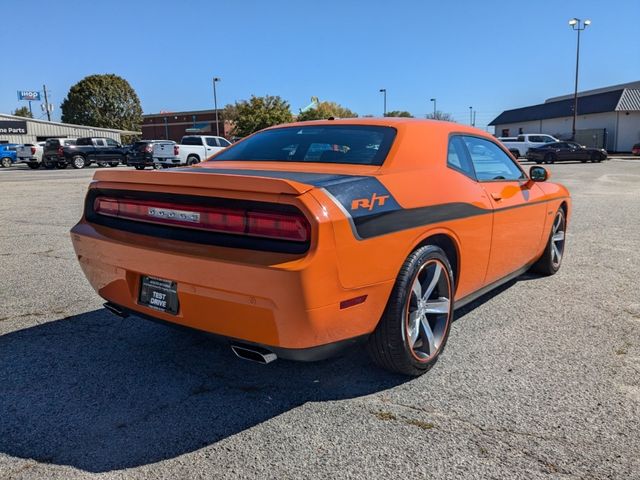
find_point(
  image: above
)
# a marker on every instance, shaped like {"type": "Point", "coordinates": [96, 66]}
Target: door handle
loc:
{"type": "Point", "coordinates": [496, 196]}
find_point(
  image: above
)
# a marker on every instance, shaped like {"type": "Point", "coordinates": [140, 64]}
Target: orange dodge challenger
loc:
{"type": "Point", "coordinates": [305, 238]}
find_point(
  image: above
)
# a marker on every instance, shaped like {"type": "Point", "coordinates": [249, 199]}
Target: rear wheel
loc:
{"type": "Point", "coordinates": [139, 167]}
{"type": "Point", "coordinates": [549, 158]}
{"type": "Point", "coordinates": [33, 165]}
{"type": "Point", "coordinates": [78, 161]}
{"type": "Point", "coordinates": [48, 164]}
{"type": "Point", "coordinates": [5, 162]}
{"type": "Point", "coordinates": [415, 325]}
{"type": "Point", "coordinates": [550, 261]}
{"type": "Point", "coordinates": [61, 165]}
{"type": "Point", "coordinates": [192, 160]}
{"type": "Point", "coordinates": [114, 164]}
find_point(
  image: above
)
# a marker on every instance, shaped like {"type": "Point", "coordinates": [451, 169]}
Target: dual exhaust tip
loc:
{"type": "Point", "coordinates": [251, 353]}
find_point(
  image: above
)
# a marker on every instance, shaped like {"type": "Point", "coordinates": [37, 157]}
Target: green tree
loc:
{"type": "Point", "coordinates": [399, 113]}
{"type": "Point", "coordinates": [258, 113]}
{"type": "Point", "coordinates": [23, 112]}
{"type": "Point", "coordinates": [106, 101]}
{"type": "Point", "coordinates": [325, 110]}
{"type": "Point", "coordinates": [444, 116]}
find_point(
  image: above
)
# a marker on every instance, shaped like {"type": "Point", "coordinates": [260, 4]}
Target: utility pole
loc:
{"type": "Point", "coordinates": [434, 108]}
{"type": "Point", "coordinates": [46, 102]}
{"type": "Point", "coordinates": [471, 116]}
{"type": "Point", "coordinates": [215, 103]}
{"type": "Point", "coordinates": [473, 124]}
{"type": "Point", "coordinates": [384, 92]}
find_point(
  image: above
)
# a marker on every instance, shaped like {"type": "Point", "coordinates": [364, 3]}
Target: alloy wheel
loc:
{"type": "Point", "coordinates": [428, 310]}
{"type": "Point", "coordinates": [557, 239]}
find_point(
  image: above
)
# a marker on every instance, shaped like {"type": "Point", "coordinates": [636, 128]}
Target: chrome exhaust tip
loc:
{"type": "Point", "coordinates": [253, 354]}
{"type": "Point", "coordinates": [115, 309]}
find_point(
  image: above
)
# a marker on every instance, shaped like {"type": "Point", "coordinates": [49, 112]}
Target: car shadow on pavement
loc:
{"type": "Point", "coordinates": [101, 393]}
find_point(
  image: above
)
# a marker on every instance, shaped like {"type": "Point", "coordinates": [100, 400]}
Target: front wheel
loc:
{"type": "Point", "coordinates": [415, 325]}
{"type": "Point", "coordinates": [33, 165]}
{"type": "Point", "coordinates": [549, 158]}
{"type": "Point", "coordinates": [78, 161]}
{"type": "Point", "coordinates": [550, 261]}
{"type": "Point", "coordinates": [5, 162]}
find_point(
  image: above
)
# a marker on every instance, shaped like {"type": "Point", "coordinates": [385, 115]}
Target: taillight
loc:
{"type": "Point", "coordinates": [33, 150]}
{"type": "Point", "coordinates": [148, 149]}
{"type": "Point", "coordinates": [278, 225]}
{"type": "Point", "coordinates": [176, 150]}
{"type": "Point", "coordinates": [60, 151]}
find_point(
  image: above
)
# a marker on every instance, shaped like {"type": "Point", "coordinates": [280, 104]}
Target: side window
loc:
{"type": "Point", "coordinates": [490, 162]}
{"type": "Point", "coordinates": [547, 139]}
{"type": "Point", "coordinates": [111, 142]}
{"type": "Point", "coordinates": [223, 142]}
{"type": "Point", "coordinates": [212, 142]}
{"type": "Point", "coordinates": [457, 157]}
{"type": "Point", "coordinates": [536, 139]}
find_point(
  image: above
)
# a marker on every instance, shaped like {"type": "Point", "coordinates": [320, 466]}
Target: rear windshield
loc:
{"type": "Point", "coordinates": [351, 144]}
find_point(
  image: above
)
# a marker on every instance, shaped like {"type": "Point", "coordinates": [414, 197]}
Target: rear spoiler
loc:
{"type": "Point", "coordinates": [199, 178]}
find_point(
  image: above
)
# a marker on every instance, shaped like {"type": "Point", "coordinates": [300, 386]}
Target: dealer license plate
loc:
{"type": "Point", "coordinates": [159, 294]}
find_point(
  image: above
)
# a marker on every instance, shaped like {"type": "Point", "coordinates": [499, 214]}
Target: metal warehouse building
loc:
{"type": "Point", "coordinates": [607, 118]}
{"type": "Point", "coordinates": [27, 130]}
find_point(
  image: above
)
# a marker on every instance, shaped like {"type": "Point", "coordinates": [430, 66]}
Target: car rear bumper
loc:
{"type": "Point", "coordinates": [277, 301]}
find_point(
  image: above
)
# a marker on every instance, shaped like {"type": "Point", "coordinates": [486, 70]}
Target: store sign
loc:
{"type": "Point", "coordinates": [13, 127]}
{"type": "Point", "coordinates": [29, 95]}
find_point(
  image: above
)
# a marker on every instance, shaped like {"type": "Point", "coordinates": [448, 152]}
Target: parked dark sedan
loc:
{"type": "Point", "coordinates": [140, 154]}
{"type": "Point", "coordinates": [562, 151]}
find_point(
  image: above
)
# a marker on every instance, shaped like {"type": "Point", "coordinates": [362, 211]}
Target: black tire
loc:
{"type": "Point", "coordinates": [61, 165]}
{"type": "Point", "coordinates": [390, 344]}
{"type": "Point", "coordinates": [78, 162]}
{"type": "Point", "coordinates": [596, 157]}
{"type": "Point", "coordinates": [114, 164]}
{"type": "Point", "coordinates": [33, 165]}
{"type": "Point", "coordinates": [5, 162]}
{"type": "Point", "coordinates": [549, 158]}
{"type": "Point", "coordinates": [192, 160]}
{"type": "Point", "coordinates": [48, 164]}
{"type": "Point", "coordinates": [139, 167]}
{"type": "Point", "coordinates": [549, 263]}
{"type": "Point", "coordinates": [515, 153]}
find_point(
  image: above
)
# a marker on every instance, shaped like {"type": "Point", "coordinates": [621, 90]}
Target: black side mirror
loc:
{"type": "Point", "coordinates": [538, 174]}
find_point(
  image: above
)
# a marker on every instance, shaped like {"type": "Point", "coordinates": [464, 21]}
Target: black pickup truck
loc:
{"type": "Point", "coordinates": [101, 150]}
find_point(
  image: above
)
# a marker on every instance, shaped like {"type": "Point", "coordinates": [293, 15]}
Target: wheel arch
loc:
{"type": "Point", "coordinates": [449, 244]}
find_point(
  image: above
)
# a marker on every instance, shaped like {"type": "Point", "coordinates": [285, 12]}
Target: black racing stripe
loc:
{"type": "Point", "coordinates": [406, 219]}
{"type": "Point", "coordinates": [310, 178]}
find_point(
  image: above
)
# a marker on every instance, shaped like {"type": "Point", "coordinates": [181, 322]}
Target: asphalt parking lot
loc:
{"type": "Point", "coordinates": [539, 380]}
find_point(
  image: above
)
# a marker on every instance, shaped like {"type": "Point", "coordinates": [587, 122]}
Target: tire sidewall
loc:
{"type": "Point", "coordinates": [397, 309]}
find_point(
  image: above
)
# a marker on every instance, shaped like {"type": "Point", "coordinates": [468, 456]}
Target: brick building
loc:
{"type": "Point", "coordinates": [174, 125]}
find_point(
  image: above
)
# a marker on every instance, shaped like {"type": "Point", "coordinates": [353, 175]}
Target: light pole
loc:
{"type": "Point", "coordinates": [215, 103]}
{"type": "Point", "coordinates": [434, 108]}
{"type": "Point", "coordinates": [471, 116]}
{"type": "Point", "coordinates": [384, 93]}
{"type": "Point", "coordinates": [578, 26]}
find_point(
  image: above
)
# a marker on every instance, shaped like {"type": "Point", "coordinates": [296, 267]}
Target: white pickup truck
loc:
{"type": "Point", "coordinates": [191, 150]}
{"type": "Point", "coordinates": [31, 154]}
{"type": "Point", "coordinates": [519, 145]}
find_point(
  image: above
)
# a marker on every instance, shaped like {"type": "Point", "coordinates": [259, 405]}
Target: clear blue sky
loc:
{"type": "Point", "coordinates": [492, 55]}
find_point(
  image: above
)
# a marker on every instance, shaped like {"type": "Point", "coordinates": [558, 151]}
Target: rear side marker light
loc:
{"type": "Point", "coordinates": [352, 302]}
{"type": "Point", "coordinates": [281, 226]}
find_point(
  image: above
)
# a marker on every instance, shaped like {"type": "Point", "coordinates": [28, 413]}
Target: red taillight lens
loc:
{"type": "Point", "coordinates": [176, 150]}
{"type": "Point", "coordinates": [278, 225]}
{"type": "Point", "coordinates": [33, 150]}
{"type": "Point", "coordinates": [60, 151]}
{"type": "Point", "coordinates": [148, 149]}
{"type": "Point", "coordinates": [282, 226]}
